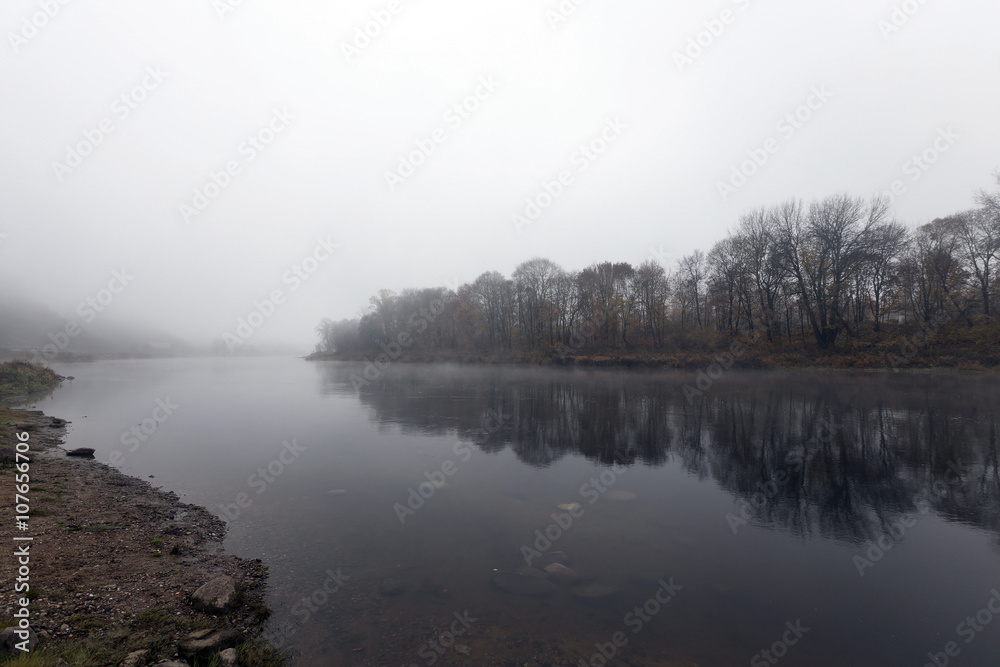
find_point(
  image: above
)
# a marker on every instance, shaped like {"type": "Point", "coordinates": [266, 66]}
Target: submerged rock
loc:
{"type": "Point", "coordinates": [391, 586]}
{"type": "Point", "coordinates": [522, 584]}
{"type": "Point", "coordinates": [551, 557]}
{"type": "Point", "coordinates": [562, 574]}
{"type": "Point", "coordinates": [529, 571]}
{"type": "Point", "coordinates": [646, 578]}
{"type": "Point", "coordinates": [569, 507]}
{"type": "Point", "coordinates": [595, 592]}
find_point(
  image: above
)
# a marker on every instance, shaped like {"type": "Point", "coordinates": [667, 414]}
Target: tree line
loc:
{"type": "Point", "coordinates": [792, 273]}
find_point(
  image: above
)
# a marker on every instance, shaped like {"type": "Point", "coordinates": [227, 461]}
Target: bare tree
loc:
{"type": "Point", "coordinates": [650, 284]}
{"type": "Point", "coordinates": [691, 270]}
{"type": "Point", "coordinates": [979, 233]}
{"type": "Point", "coordinates": [757, 238]}
{"type": "Point", "coordinates": [823, 250]}
{"type": "Point", "coordinates": [534, 281]}
{"type": "Point", "coordinates": [889, 242]}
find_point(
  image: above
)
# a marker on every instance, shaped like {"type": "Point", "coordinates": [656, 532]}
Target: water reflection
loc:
{"type": "Point", "coordinates": [839, 456]}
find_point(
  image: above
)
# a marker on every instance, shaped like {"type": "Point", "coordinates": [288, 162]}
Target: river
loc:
{"type": "Point", "coordinates": [761, 517]}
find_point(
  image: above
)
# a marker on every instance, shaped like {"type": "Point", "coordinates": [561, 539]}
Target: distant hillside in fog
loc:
{"type": "Point", "coordinates": [26, 327]}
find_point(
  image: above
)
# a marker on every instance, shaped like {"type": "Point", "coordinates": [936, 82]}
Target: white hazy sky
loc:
{"type": "Point", "coordinates": [654, 189]}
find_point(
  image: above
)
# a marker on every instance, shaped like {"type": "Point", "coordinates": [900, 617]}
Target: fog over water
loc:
{"type": "Point", "coordinates": [216, 150]}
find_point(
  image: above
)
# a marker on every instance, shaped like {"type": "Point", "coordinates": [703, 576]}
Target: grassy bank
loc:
{"type": "Point", "coordinates": [23, 380]}
{"type": "Point", "coordinates": [116, 560]}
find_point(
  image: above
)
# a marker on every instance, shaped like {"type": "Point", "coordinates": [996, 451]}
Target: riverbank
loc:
{"type": "Point", "coordinates": [972, 346]}
{"type": "Point", "coordinates": [115, 566]}
{"type": "Point", "coordinates": [693, 361]}
{"type": "Point", "coordinates": [20, 380]}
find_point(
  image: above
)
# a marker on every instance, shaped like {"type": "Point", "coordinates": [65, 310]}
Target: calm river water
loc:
{"type": "Point", "coordinates": [825, 518]}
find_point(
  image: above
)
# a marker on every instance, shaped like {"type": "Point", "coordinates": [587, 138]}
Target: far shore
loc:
{"type": "Point", "coordinates": [688, 361]}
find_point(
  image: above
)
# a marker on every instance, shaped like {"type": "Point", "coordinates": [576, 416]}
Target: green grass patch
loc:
{"type": "Point", "coordinates": [21, 381]}
{"type": "Point", "coordinates": [86, 622]}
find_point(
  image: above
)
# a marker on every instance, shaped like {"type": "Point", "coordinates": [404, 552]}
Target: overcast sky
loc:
{"type": "Point", "coordinates": [309, 118]}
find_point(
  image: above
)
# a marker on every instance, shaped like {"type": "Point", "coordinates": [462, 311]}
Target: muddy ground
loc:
{"type": "Point", "coordinates": [114, 561]}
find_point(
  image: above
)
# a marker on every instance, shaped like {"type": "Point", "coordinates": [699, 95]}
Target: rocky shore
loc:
{"type": "Point", "coordinates": [121, 573]}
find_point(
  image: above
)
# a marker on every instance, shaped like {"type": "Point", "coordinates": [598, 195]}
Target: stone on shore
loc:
{"type": "Point", "coordinates": [228, 658]}
{"type": "Point", "coordinates": [217, 596]}
{"type": "Point", "coordinates": [81, 451]}
{"type": "Point", "coordinates": [136, 659]}
{"type": "Point", "coordinates": [204, 643]}
{"type": "Point", "coordinates": [9, 639]}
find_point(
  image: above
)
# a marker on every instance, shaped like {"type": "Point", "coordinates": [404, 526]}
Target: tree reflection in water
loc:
{"type": "Point", "coordinates": [839, 455]}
